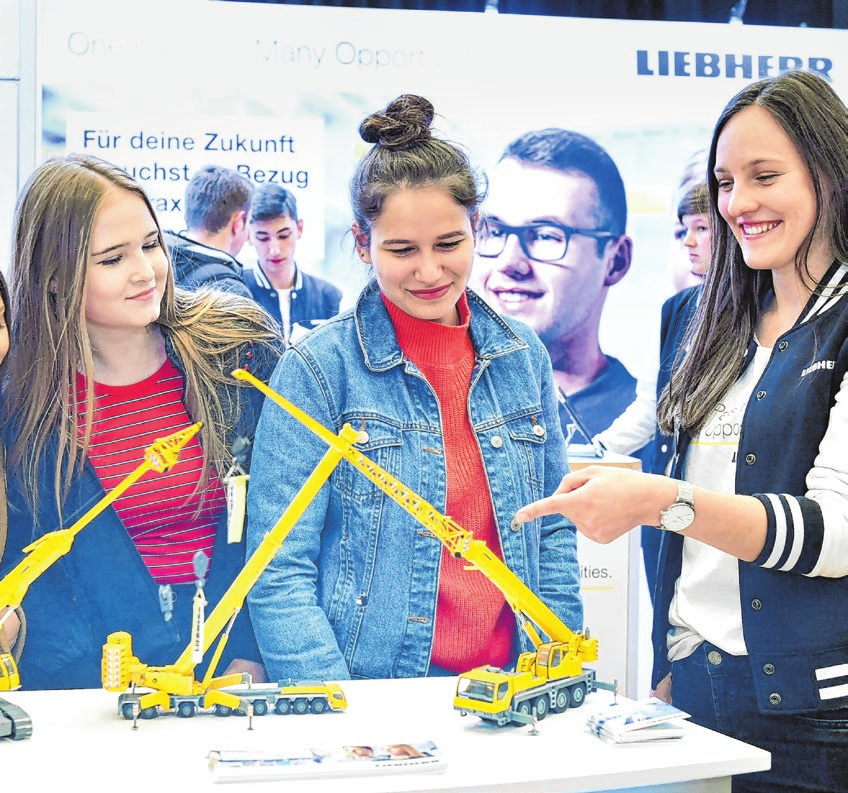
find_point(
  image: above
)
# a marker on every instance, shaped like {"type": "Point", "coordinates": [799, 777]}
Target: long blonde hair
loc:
{"type": "Point", "coordinates": [54, 216]}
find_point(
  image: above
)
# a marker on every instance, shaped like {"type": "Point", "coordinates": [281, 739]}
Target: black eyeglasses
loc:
{"type": "Point", "coordinates": [541, 242]}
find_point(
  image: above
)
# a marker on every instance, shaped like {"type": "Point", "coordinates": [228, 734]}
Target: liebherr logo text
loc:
{"type": "Point", "coordinates": [672, 63]}
{"type": "Point", "coordinates": [818, 365]}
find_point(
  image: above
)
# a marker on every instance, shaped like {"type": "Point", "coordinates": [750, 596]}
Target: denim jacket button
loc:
{"type": "Point", "coordinates": [496, 441]}
{"type": "Point", "coordinates": [362, 437]}
{"type": "Point", "coordinates": [538, 430]}
{"type": "Point", "coordinates": [515, 525]}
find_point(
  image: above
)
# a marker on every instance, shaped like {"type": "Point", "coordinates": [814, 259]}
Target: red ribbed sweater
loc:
{"type": "Point", "coordinates": [474, 624]}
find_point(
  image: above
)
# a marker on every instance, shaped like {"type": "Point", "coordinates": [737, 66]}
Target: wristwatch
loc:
{"type": "Point", "coordinates": [681, 513]}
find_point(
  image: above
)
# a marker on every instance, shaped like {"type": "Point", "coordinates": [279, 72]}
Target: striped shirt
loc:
{"type": "Point", "coordinates": [167, 520]}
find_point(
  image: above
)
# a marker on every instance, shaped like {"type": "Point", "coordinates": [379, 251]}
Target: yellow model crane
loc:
{"type": "Point", "coordinates": [175, 688]}
{"type": "Point", "coordinates": [549, 679]}
{"type": "Point", "coordinates": [47, 549]}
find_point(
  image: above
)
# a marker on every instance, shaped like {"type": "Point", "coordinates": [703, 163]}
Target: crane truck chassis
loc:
{"type": "Point", "coordinates": [257, 700]}
{"type": "Point", "coordinates": [502, 697]}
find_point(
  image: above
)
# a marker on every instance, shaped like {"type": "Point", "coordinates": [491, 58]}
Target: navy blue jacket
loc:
{"type": "Point", "coordinates": [311, 298]}
{"type": "Point", "coordinates": [102, 584]}
{"type": "Point", "coordinates": [795, 626]}
{"type": "Point", "coordinates": [197, 265]}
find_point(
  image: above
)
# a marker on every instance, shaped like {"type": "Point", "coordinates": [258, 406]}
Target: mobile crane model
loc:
{"type": "Point", "coordinates": [41, 554]}
{"type": "Point", "coordinates": [175, 688]}
{"type": "Point", "coordinates": [549, 679]}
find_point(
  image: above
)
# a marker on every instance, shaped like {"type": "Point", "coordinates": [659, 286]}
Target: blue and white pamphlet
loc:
{"type": "Point", "coordinates": [628, 721]}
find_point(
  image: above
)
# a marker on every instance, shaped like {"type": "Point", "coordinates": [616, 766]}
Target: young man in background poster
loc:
{"type": "Point", "coordinates": [551, 245]}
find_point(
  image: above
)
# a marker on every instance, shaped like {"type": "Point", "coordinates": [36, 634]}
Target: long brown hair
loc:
{"type": "Point", "coordinates": [54, 216]}
{"type": "Point", "coordinates": [711, 357]}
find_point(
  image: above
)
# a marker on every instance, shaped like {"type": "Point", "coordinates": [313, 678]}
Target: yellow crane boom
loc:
{"type": "Point", "coordinates": [160, 456]}
{"type": "Point", "coordinates": [460, 542]}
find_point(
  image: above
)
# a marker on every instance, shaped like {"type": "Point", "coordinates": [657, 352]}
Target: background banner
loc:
{"type": "Point", "coordinates": [278, 92]}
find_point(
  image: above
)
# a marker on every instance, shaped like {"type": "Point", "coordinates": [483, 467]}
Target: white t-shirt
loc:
{"type": "Point", "coordinates": [284, 296]}
{"type": "Point", "coordinates": [706, 605]}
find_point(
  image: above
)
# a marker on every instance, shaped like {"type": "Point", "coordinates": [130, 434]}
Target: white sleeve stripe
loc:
{"type": "Point", "coordinates": [797, 518]}
{"type": "Point", "coordinates": [830, 295]}
{"type": "Point", "coordinates": [779, 528]}
{"type": "Point", "coordinates": [829, 672]}
{"type": "Point", "coordinates": [833, 692]}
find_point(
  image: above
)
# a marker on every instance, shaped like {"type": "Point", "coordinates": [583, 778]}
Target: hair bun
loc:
{"type": "Point", "coordinates": [405, 122]}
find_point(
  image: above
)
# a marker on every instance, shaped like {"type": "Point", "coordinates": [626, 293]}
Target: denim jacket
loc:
{"type": "Point", "coordinates": [353, 589]}
{"type": "Point", "coordinates": [102, 584]}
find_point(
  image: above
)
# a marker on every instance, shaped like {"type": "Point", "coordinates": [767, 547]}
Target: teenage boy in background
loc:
{"type": "Point", "coordinates": [295, 298]}
{"type": "Point", "coordinates": [217, 203]}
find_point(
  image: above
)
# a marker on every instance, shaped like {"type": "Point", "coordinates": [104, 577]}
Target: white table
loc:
{"type": "Point", "coordinates": [80, 742]}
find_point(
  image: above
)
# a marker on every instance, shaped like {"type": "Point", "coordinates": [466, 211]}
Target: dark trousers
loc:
{"type": "Point", "coordinates": [807, 754]}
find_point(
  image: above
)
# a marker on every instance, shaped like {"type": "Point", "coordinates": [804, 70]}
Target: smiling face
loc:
{"type": "Point", "coordinates": [422, 251]}
{"type": "Point", "coordinates": [766, 193]}
{"type": "Point", "coordinates": [557, 299]}
{"type": "Point", "coordinates": [127, 266]}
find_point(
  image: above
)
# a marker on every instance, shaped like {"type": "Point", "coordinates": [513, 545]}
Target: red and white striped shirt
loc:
{"type": "Point", "coordinates": [167, 520]}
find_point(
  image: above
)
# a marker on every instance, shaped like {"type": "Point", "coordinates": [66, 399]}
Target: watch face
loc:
{"type": "Point", "coordinates": [677, 517]}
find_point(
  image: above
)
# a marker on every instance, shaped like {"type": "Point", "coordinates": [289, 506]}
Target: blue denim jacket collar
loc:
{"type": "Point", "coordinates": [491, 337]}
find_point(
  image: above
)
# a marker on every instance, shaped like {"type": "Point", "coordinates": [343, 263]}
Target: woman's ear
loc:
{"type": "Point", "coordinates": [362, 243]}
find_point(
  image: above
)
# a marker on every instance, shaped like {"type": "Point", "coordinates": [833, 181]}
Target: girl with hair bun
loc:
{"type": "Point", "coordinates": [452, 399]}
{"type": "Point", "coordinates": [751, 602]}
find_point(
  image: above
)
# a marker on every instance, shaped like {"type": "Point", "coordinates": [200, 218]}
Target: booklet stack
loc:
{"type": "Point", "coordinates": [314, 761]}
{"type": "Point", "coordinates": [631, 721]}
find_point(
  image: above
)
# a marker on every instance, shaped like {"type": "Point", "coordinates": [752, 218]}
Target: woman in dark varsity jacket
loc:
{"type": "Point", "coordinates": [751, 605]}
{"type": "Point", "coordinates": [111, 356]}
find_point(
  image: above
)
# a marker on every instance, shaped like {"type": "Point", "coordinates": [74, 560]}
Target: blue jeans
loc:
{"type": "Point", "coordinates": [807, 753]}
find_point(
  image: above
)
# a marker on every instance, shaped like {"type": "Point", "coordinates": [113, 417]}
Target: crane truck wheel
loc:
{"type": "Point", "coordinates": [318, 705]}
{"type": "Point", "coordinates": [300, 706]}
{"type": "Point", "coordinates": [185, 710]}
{"type": "Point", "coordinates": [260, 707]}
{"type": "Point", "coordinates": [127, 710]}
{"type": "Point", "coordinates": [541, 706]}
{"type": "Point", "coordinates": [283, 707]}
{"type": "Point", "coordinates": [149, 713]}
{"type": "Point", "coordinates": [561, 701]}
{"type": "Point", "coordinates": [577, 695]}
{"type": "Point", "coordinates": [223, 710]}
